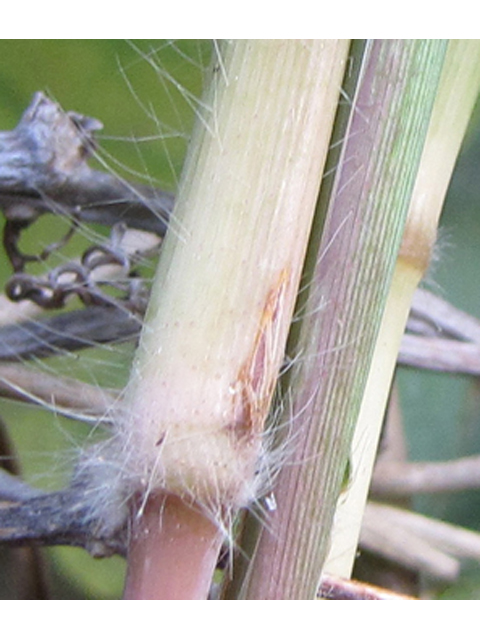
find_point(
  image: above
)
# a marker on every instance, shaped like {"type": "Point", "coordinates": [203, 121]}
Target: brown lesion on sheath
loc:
{"type": "Point", "coordinates": [257, 378]}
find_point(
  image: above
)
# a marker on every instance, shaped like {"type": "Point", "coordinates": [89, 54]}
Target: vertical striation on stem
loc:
{"type": "Point", "coordinates": [361, 236]}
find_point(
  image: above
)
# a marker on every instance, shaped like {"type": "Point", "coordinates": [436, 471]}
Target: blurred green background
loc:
{"type": "Point", "coordinates": [145, 92]}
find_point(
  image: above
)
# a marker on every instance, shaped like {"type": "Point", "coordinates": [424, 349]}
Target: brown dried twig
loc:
{"type": "Point", "coordinates": [65, 396]}
{"type": "Point", "coordinates": [401, 479]}
{"type": "Point", "coordinates": [43, 167]}
{"type": "Point", "coordinates": [440, 337]}
{"type": "Point", "coordinates": [440, 354]}
{"type": "Point", "coordinates": [334, 588]}
{"type": "Point", "coordinates": [418, 542]}
{"type": "Point", "coordinates": [57, 518]}
{"type": "Point", "coordinates": [442, 318]}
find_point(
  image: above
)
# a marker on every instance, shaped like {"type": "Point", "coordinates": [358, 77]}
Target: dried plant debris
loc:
{"type": "Point", "coordinates": [55, 518]}
{"type": "Point", "coordinates": [43, 167]}
{"type": "Point", "coordinates": [111, 263]}
{"type": "Point", "coordinates": [334, 588]}
{"type": "Point", "coordinates": [440, 337]}
{"type": "Point", "coordinates": [68, 331]}
{"type": "Point", "coordinates": [412, 540]}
